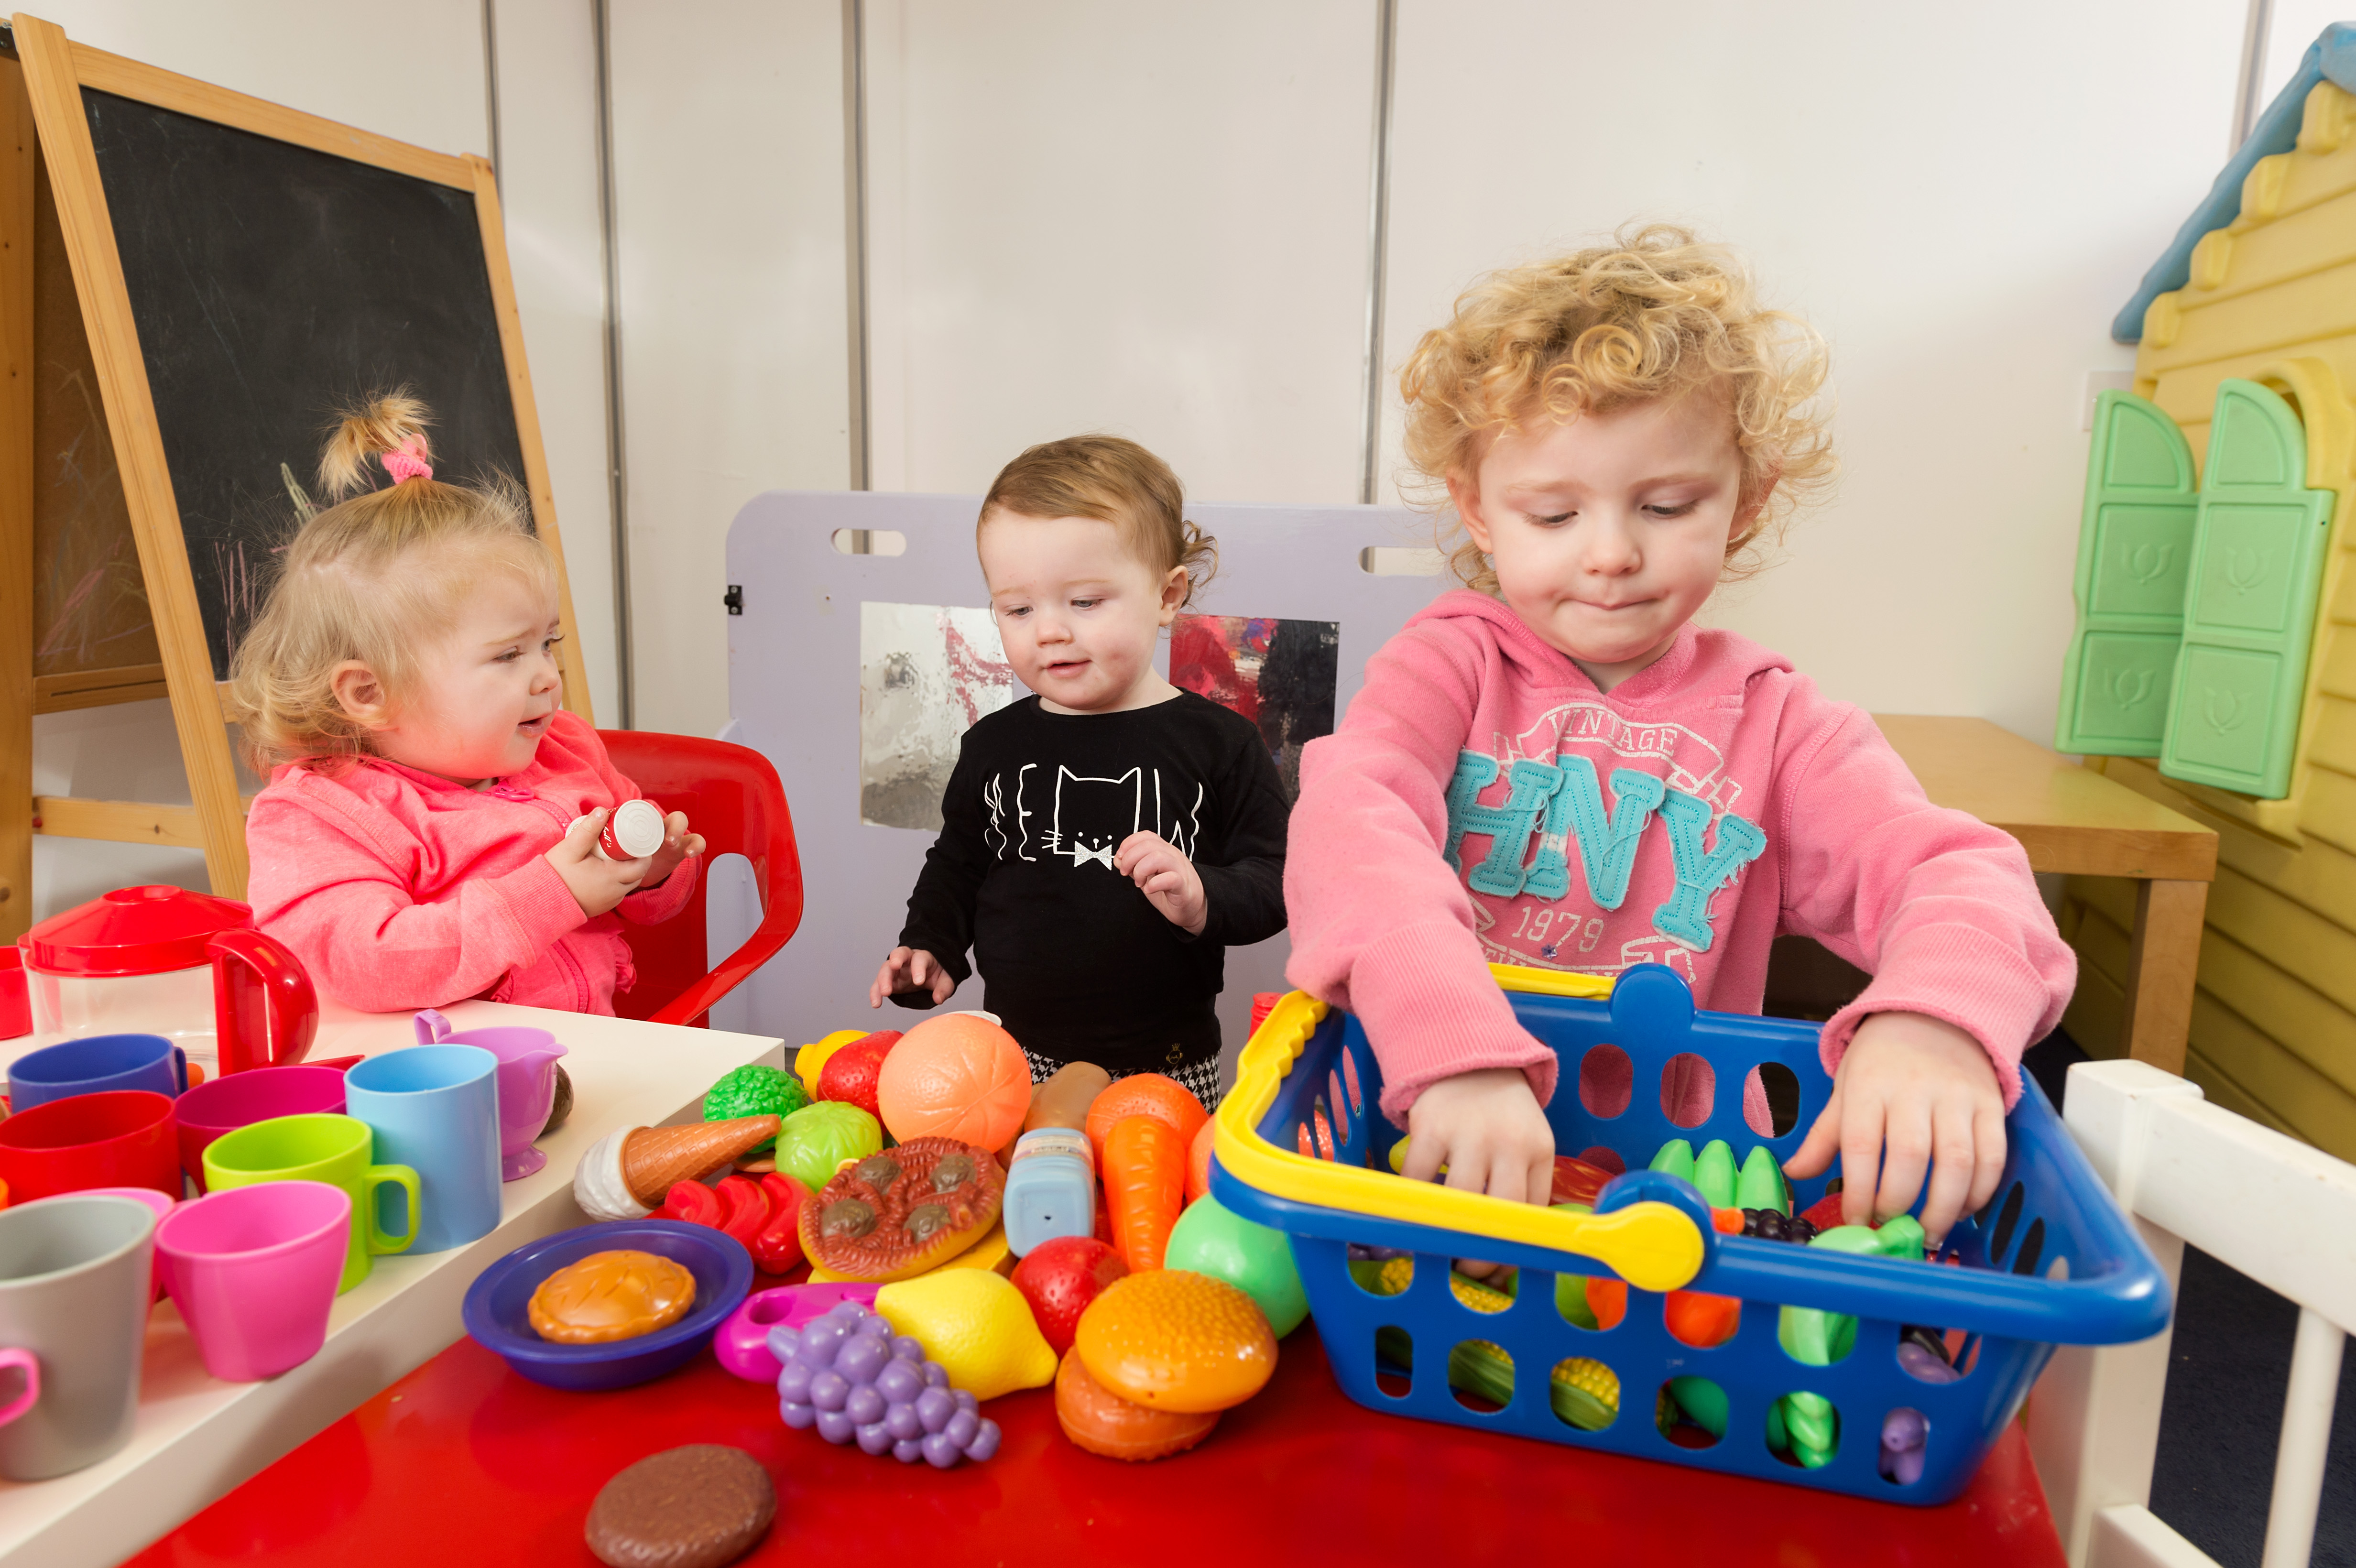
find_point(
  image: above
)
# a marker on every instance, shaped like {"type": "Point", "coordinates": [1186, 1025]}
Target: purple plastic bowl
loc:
{"type": "Point", "coordinates": [497, 1308]}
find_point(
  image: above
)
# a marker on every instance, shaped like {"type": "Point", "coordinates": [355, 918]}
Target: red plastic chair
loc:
{"type": "Point", "coordinates": [732, 797]}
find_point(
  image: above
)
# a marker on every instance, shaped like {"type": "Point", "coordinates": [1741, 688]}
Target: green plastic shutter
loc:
{"type": "Point", "coordinates": [2135, 551]}
{"type": "Point", "coordinates": [2249, 611]}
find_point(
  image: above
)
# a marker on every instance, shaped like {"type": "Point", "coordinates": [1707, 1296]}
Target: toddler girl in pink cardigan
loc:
{"type": "Point", "coordinates": [399, 689]}
{"type": "Point", "coordinates": [1554, 767]}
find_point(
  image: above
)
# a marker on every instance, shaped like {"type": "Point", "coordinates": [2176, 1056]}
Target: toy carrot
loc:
{"type": "Point", "coordinates": [1145, 1186]}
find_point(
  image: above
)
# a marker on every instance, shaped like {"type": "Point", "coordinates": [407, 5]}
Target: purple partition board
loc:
{"type": "Point", "coordinates": [794, 683]}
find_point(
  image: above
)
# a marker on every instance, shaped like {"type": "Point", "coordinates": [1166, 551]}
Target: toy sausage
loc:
{"type": "Point", "coordinates": [1064, 1100]}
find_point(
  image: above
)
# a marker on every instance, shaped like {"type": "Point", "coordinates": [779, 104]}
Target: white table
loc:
{"type": "Point", "coordinates": [198, 1437]}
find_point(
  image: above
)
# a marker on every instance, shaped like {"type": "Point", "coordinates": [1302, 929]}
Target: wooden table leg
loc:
{"type": "Point", "coordinates": [2161, 967]}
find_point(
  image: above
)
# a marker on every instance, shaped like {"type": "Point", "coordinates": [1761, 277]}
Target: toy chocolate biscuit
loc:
{"type": "Point", "coordinates": [896, 1214]}
{"type": "Point", "coordinates": [696, 1507]}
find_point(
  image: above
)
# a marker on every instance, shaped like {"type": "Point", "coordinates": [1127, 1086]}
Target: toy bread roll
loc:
{"type": "Point", "coordinates": [1063, 1100]}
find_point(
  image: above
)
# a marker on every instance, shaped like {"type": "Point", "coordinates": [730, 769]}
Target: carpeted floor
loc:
{"type": "Point", "coordinates": [2228, 1367]}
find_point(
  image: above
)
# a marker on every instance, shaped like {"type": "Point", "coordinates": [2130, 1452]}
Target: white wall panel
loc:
{"type": "Point", "coordinates": [729, 204]}
{"type": "Point", "coordinates": [1959, 199]}
{"type": "Point", "coordinates": [415, 71]}
{"type": "Point", "coordinates": [1144, 219]}
{"type": "Point", "coordinates": [548, 194]}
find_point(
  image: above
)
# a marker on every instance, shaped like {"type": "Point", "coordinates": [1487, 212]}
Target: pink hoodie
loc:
{"type": "Point", "coordinates": [1483, 803]}
{"type": "Point", "coordinates": [398, 890]}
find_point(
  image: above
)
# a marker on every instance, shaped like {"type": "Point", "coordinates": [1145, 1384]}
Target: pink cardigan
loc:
{"type": "Point", "coordinates": [398, 890]}
{"type": "Point", "coordinates": [1483, 803]}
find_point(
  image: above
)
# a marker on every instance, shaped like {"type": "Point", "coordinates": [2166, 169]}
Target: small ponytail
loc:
{"type": "Point", "coordinates": [1198, 552]}
{"type": "Point", "coordinates": [389, 427]}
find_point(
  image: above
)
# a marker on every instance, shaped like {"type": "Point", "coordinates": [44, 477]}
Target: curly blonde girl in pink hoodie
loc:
{"type": "Point", "coordinates": [1553, 766]}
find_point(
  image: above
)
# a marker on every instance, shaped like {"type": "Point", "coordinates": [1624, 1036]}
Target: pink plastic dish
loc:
{"type": "Point", "coordinates": [743, 1343]}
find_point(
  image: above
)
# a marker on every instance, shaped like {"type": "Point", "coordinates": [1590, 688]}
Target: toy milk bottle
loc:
{"type": "Point", "coordinates": [1051, 1181]}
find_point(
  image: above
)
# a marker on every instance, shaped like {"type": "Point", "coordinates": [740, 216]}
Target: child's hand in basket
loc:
{"type": "Point", "coordinates": [1912, 1093]}
{"type": "Point", "coordinates": [1485, 1126]}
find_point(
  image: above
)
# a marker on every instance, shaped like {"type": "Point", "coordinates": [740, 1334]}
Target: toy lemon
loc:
{"type": "Point", "coordinates": [1176, 1340]}
{"type": "Point", "coordinates": [976, 1325]}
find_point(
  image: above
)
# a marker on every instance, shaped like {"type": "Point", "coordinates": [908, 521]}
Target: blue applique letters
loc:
{"type": "Point", "coordinates": [1563, 801]}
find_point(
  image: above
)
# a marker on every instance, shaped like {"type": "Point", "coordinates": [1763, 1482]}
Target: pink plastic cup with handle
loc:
{"type": "Point", "coordinates": [241, 1099]}
{"type": "Point", "coordinates": [526, 1082]}
{"type": "Point", "coordinates": [254, 1271]}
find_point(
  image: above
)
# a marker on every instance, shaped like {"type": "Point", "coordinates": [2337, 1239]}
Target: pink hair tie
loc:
{"type": "Point", "coordinates": [407, 461]}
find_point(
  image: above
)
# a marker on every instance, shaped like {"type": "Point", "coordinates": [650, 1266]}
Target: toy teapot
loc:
{"type": "Point", "coordinates": [186, 965]}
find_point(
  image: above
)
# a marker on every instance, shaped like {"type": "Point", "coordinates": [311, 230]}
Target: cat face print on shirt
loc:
{"type": "Point", "coordinates": [1080, 819]}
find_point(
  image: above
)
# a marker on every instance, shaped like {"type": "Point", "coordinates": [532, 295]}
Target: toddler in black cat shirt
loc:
{"type": "Point", "coordinates": [1105, 841]}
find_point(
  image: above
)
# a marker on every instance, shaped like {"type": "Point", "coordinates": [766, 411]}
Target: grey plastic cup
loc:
{"type": "Point", "coordinates": [74, 1292]}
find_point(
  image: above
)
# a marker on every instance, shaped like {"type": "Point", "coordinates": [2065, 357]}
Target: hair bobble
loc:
{"type": "Point", "coordinates": [407, 461]}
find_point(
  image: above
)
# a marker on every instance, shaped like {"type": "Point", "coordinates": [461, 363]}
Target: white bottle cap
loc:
{"type": "Point", "coordinates": [636, 828]}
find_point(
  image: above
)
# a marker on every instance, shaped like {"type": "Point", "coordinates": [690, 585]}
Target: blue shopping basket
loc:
{"type": "Point", "coordinates": [2051, 1260]}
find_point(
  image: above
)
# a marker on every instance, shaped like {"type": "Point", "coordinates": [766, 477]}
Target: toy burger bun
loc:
{"type": "Point", "coordinates": [697, 1506]}
{"type": "Point", "coordinates": [626, 1174]}
{"type": "Point", "coordinates": [1176, 1340]}
{"type": "Point", "coordinates": [958, 1076]}
{"type": "Point", "coordinates": [1101, 1422]}
{"type": "Point", "coordinates": [611, 1295]}
{"type": "Point", "coordinates": [896, 1214]}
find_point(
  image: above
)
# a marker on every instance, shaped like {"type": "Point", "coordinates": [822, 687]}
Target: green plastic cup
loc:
{"type": "Point", "coordinates": [333, 1149]}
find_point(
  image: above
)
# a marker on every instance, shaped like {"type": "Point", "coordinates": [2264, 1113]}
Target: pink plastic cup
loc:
{"type": "Point", "coordinates": [163, 1206]}
{"type": "Point", "coordinates": [254, 1270]}
{"type": "Point", "coordinates": [241, 1099]}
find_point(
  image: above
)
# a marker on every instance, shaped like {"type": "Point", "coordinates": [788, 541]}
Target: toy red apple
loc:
{"type": "Point", "coordinates": [1060, 1278]}
{"type": "Point", "coordinates": [852, 1073]}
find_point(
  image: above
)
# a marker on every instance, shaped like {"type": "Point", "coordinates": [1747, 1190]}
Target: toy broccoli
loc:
{"type": "Point", "coordinates": [754, 1090]}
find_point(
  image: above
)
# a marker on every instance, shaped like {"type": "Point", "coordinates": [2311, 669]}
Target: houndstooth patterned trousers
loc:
{"type": "Point", "coordinates": [1201, 1078]}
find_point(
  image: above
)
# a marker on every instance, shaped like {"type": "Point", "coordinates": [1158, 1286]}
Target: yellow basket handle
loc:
{"type": "Point", "coordinates": [1650, 1244]}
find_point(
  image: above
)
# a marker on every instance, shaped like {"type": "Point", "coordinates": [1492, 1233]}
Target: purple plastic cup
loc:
{"type": "Point", "coordinates": [526, 1082]}
{"type": "Point", "coordinates": [254, 1270]}
{"type": "Point", "coordinates": [223, 1104]}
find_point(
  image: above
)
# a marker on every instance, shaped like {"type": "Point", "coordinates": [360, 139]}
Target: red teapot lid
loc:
{"type": "Point", "coordinates": [132, 931]}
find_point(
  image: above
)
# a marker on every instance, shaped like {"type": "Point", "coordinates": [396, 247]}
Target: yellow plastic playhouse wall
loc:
{"type": "Point", "coordinates": [2272, 298]}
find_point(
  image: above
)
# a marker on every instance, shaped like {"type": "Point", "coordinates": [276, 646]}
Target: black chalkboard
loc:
{"type": "Point", "coordinates": [273, 285]}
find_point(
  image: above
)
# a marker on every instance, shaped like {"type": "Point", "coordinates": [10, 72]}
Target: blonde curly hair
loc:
{"type": "Point", "coordinates": [374, 580]}
{"type": "Point", "coordinates": [1655, 313]}
{"type": "Point", "coordinates": [1113, 480]}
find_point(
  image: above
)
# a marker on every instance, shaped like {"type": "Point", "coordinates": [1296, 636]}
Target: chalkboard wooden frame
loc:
{"type": "Point", "coordinates": [55, 72]}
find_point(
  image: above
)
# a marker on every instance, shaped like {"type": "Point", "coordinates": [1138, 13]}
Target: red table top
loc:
{"type": "Point", "coordinates": [464, 1461]}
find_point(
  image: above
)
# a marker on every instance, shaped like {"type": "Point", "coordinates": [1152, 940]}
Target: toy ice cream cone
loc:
{"type": "Point", "coordinates": [626, 1174]}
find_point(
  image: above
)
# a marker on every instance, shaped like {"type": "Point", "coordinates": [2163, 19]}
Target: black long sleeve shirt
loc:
{"type": "Point", "coordinates": [1076, 960]}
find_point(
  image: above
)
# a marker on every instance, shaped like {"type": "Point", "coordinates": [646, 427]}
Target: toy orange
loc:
{"type": "Point", "coordinates": [1198, 1162]}
{"type": "Point", "coordinates": [1099, 1421]}
{"type": "Point", "coordinates": [955, 1077]}
{"type": "Point", "coordinates": [1176, 1340]}
{"type": "Point", "coordinates": [1146, 1094]}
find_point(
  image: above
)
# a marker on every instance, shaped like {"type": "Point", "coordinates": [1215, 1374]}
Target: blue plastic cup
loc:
{"type": "Point", "coordinates": [436, 1108]}
{"type": "Point", "coordinates": [95, 1066]}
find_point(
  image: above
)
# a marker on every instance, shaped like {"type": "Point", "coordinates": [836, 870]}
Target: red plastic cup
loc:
{"type": "Point", "coordinates": [254, 1271]}
{"type": "Point", "coordinates": [123, 1137]}
{"type": "Point", "coordinates": [241, 1099]}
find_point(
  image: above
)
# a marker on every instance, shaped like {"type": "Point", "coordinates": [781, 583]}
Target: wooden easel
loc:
{"type": "Point", "coordinates": [43, 129]}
